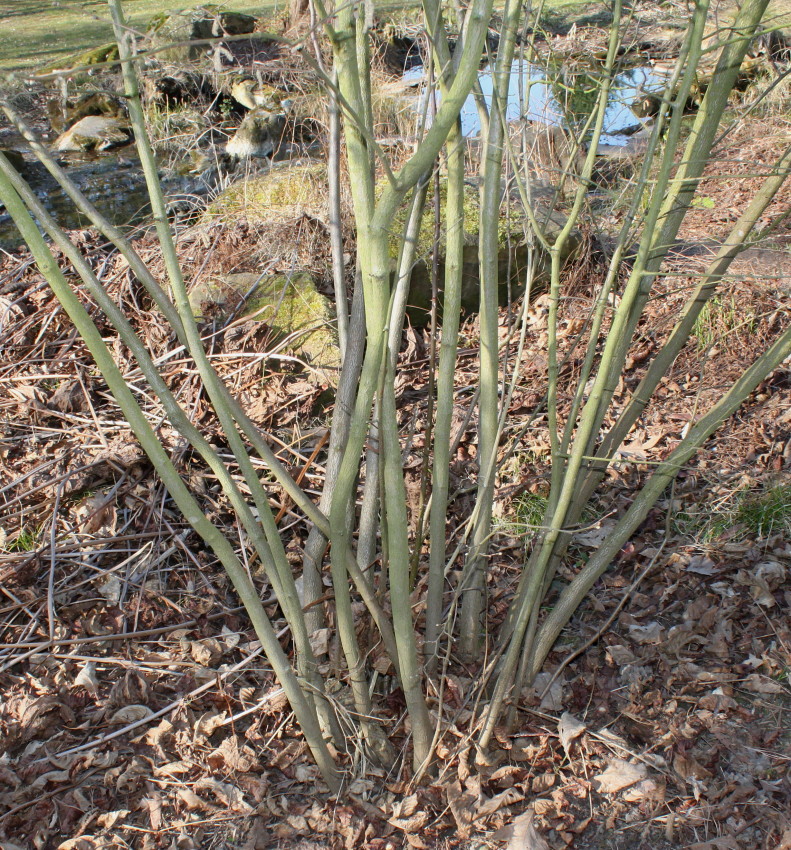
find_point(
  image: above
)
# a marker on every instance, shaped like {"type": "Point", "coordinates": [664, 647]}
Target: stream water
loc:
{"type": "Point", "coordinates": [565, 100]}
{"type": "Point", "coordinates": [115, 184]}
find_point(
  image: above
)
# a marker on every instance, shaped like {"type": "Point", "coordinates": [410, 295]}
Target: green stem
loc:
{"type": "Point", "coordinates": [474, 576]}
{"type": "Point", "coordinates": [303, 708]}
{"type": "Point", "coordinates": [575, 592]}
{"type": "Point", "coordinates": [289, 600]}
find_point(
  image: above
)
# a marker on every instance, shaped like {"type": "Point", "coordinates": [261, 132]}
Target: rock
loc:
{"type": "Point", "coordinates": [512, 256]}
{"type": "Point", "coordinates": [182, 86]}
{"type": "Point", "coordinates": [254, 95]}
{"type": "Point", "coordinates": [283, 194]}
{"type": "Point", "coordinates": [171, 31]}
{"type": "Point", "coordinates": [258, 135]}
{"type": "Point", "coordinates": [289, 304]}
{"type": "Point", "coordinates": [634, 148]}
{"type": "Point", "coordinates": [95, 132]}
{"type": "Point", "coordinates": [95, 56]}
{"type": "Point", "coordinates": [15, 159]}
{"type": "Point", "coordinates": [90, 103]}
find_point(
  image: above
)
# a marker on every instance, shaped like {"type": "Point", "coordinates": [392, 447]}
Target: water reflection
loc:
{"type": "Point", "coordinates": [563, 99]}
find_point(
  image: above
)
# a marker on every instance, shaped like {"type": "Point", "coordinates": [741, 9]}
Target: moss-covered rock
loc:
{"type": "Point", "coordinates": [86, 58]}
{"type": "Point", "coordinates": [284, 193]}
{"type": "Point", "coordinates": [172, 30]}
{"type": "Point", "coordinates": [299, 316]}
{"type": "Point", "coordinates": [512, 248]}
{"type": "Point", "coordinates": [89, 103]}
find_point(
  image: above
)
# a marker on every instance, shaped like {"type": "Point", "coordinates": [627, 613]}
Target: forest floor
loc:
{"type": "Point", "coordinates": [136, 709]}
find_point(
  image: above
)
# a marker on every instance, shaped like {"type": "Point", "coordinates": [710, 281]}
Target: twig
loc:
{"type": "Point", "coordinates": [599, 632]}
{"type": "Point", "coordinates": [162, 711]}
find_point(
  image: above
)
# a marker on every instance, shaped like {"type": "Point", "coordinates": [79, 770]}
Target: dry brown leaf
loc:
{"type": "Point", "coordinates": [410, 825]}
{"type": "Point", "coordinates": [87, 679]}
{"type": "Point", "coordinates": [192, 801]}
{"type": "Point", "coordinates": [206, 652]}
{"type": "Point", "coordinates": [545, 807]}
{"type": "Point", "coordinates": [689, 768]}
{"type": "Point", "coordinates": [722, 842]}
{"type": "Point", "coordinates": [553, 698]}
{"type": "Point", "coordinates": [227, 794]}
{"type": "Point", "coordinates": [84, 842]}
{"type": "Point", "coordinates": [785, 840]}
{"type": "Point", "coordinates": [462, 807]}
{"type": "Point", "coordinates": [594, 537]}
{"type": "Point", "coordinates": [522, 834]}
{"type": "Point", "coordinates": [504, 798]}
{"type": "Point", "coordinates": [320, 641]}
{"type": "Point", "coordinates": [173, 768]}
{"type": "Point", "coordinates": [759, 684]}
{"type": "Point", "coordinates": [648, 633]}
{"type": "Point", "coordinates": [206, 724]}
{"type": "Point", "coordinates": [154, 805]}
{"type": "Point", "coordinates": [131, 714]}
{"type": "Point", "coordinates": [569, 728]}
{"type": "Point", "coordinates": [230, 756]}
{"type": "Point", "coordinates": [109, 819]}
{"type": "Point", "coordinates": [543, 782]}
{"type": "Point", "coordinates": [620, 774]}
{"type": "Point", "coordinates": [416, 841]}
{"type": "Point", "coordinates": [405, 807]}
{"type": "Point", "coordinates": [96, 513]}
{"type": "Point", "coordinates": [132, 689]}
{"type": "Point", "coordinates": [621, 655]}
{"type": "Point", "coordinates": [155, 736]}
{"type": "Point", "coordinates": [505, 776]}
{"type": "Point", "coordinates": [51, 776]}
{"type": "Point", "coordinates": [647, 789]}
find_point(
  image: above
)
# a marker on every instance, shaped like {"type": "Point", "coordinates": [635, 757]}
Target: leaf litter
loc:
{"type": "Point", "coordinates": [137, 710]}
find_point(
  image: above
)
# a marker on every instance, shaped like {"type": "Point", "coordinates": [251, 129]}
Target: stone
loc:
{"type": "Point", "coordinates": [169, 32]}
{"type": "Point", "coordinates": [15, 159]}
{"type": "Point", "coordinates": [94, 132]}
{"type": "Point", "coordinates": [258, 135]}
{"type": "Point", "coordinates": [292, 307]}
{"type": "Point", "coordinates": [254, 95]}
{"type": "Point", "coordinates": [93, 103]}
{"type": "Point", "coordinates": [105, 53]}
{"type": "Point", "coordinates": [512, 249]}
{"type": "Point", "coordinates": [182, 86]}
{"type": "Point", "coordinates": [283, 194]}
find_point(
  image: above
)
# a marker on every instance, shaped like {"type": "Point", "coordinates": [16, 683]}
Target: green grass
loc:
{"type": "Point", "coordinates": [719, 317]}
{"type": "Point", "coordinates": [746, 514]}
{"type": "Point", "coordinates": [25, 541]}
{"type": "Point", "coordinates": [37, 32]}
{"type": "Point", "coordinates": [525, 517]}
{"type": "Point", "coordinates": [767, 514]}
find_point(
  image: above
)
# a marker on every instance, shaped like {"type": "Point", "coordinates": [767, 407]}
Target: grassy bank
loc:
{"type": "Point", "coordinates": [36, 32]}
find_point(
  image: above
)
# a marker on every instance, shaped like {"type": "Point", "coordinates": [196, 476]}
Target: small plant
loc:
{"type": "Point", "coordinates": [526, 515]}
{"type": "Point", "coordinates": [746, 514]}
{"type": "Point", "coordinates": [719, 317]}
{"type": "Point", "coordinates": [25, 541]}
{"type": "Point", "coordinates": [767, 514]}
